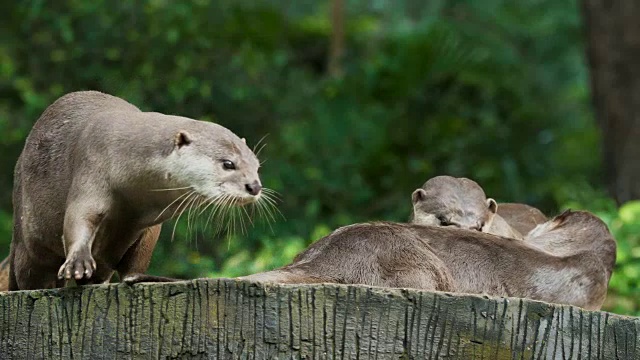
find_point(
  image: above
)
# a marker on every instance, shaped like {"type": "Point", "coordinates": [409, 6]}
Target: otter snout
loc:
{"type": "Point", "coordinates": [253, 188]}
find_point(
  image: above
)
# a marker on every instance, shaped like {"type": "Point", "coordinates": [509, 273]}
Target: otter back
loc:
{"type": "Point", "coordinates": [451, 259]}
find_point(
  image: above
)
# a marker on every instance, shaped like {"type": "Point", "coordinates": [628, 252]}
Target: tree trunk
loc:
{"type": "Point", "coordinates": [336, 46]}
{"type": "Point", "coordinates": [230, 319]}
{"type": "Point", "coordinates": [613, 50]}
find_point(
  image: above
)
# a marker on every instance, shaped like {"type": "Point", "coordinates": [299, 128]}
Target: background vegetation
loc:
{"type": "Point", "coordinates": [494, 90]}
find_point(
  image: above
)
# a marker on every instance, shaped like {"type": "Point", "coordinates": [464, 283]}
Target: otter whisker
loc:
{"type": "Point", "coordinates": [180, 207]}
{"type": "Point", "coordinates": [263, 214]}
{"type": "Point", "coordinates": [246, 221]}
{"type": "Point", "coordinates": [272, 203]}
{"type": "Point", "coordinates": [193, 212]}
{"type": "Point", "coordinates": [238, 213]}
{"type": "Point", "coordinates": [272, 192]}
{"type": "Point", "coordinates": [173, 233]}
{"type": "Point", "coordinates": [208, 201]}
{"type": "Point", "coordinates": [234, 215]}
{"type": "Point", "coordinates": [217, 205]}
{"type": "Point", "coordinates": [257, 207]}
{"type": "Point", "coordinates": [168, 206]}
{"type": "Point", "coordinates": [224, 210]}
{"type": "Point", "coordinates": [231, 224]}
{"type": "Point", "coordinates": [260, 149]}
{"type": "Point", "coordinates": [244, 208]}
{"type": "Point", "coordinates": [190, 207]}
{"type": "Point", "coordinates": [200, 206]}
{"type": "Point", "coordinates": [224, 221]}
{"type": "Point", "coordinates": [172, 189]}
{"type": "Point", "coordinates": [237, 221]}
{"type": "Point", "coordinates": [258, 144]}
{"type": "Point", "coordinates": [264, 206]}
{"type": "Point", "coordinates": [217, 208]}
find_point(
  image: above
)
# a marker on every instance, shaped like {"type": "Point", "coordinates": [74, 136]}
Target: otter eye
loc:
{"type": "Point", "coordinates": [228, 165]}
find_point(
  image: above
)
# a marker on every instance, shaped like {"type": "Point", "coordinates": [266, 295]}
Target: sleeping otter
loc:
{"type": "Point", "coordinates": [460, 202]}
{"type": "Point", "coordinates": [458, 260]}
{"type": "Point", "coordinates": [521, 217]}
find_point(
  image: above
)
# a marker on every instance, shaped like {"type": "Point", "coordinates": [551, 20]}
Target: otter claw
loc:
{"type": "Point", "coordinates": [77, 267]}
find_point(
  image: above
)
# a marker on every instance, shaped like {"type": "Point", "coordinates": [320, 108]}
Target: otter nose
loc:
{"type": "Point", "coordinates": [253, 188]}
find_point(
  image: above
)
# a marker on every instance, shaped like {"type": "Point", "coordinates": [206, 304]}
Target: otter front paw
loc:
{"type": "Point", "coordinates": [77, 266]}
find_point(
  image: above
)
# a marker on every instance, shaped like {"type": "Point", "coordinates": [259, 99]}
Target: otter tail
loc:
{"type": "Point", "coordinates": [283, 277]}
{"type": "Point", "coordinates": [549, 226]}
{"type": "Point", "coordinates": [573, 232]}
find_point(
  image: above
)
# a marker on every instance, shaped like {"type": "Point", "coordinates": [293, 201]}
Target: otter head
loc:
{"type": "Point", "coordinates": [215, 163]}
{"type": "Point", "coordinates": [449, 201]}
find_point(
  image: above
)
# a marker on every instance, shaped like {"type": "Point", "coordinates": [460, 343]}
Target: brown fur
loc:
{"type": "Point", "coordinates": [460, 202]}
{"type": "Point", "coordinates": [4, 274]}
{"type": "Point", "coordinates": [523, 218]}
{"type": "Point", "coordinates": [451, 259]}
{"type": "Point", "coordinates": [91, 186]}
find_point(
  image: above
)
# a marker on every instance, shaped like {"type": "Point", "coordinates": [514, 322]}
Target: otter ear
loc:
{"type": "Point", "coordinates": [244, 140]}
{"type": "Point", "coordinates": [493, 205]}
{"type": "Point", "coordinates": [181, 139]}
{"type": "Point", "coordinates": [418, 195]}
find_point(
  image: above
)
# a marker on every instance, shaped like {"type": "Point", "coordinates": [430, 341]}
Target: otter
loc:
{"type": "Point", "coordinates": [521, 217]}
{"type": "Point", "coordinates": [460, 202]}
{"type": "Point", "coordinates": [457, 260]}
{"type": "Point", "coordinates": [96, 178]}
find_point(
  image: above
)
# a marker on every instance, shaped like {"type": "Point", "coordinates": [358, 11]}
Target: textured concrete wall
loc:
{"type": "Point", "coordinates": [229, 319]}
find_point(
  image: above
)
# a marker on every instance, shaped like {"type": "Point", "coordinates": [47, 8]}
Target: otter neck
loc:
{"type": "Point", "coordinates": [162, 205]}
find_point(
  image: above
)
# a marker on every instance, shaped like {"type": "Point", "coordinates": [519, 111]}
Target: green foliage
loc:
{"type": "Point", "coordinates": [493, 90]}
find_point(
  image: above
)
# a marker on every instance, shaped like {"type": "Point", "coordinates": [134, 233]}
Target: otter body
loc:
{"type": "Point", "coordinates": [456, 260]}
{"type": "Point", "coordinates": [460, 202]}
{"type": "Point", "coordinates": [521, 217]}
{"type": "Point", "coordinates": [97, 176]}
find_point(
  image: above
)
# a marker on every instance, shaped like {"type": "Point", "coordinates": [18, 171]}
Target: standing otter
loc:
{"type": "Point", "coordinates": [460, 202]}
{"type": "Point", "coordinates": [97, 177]}
{"type": "Point", "coordinates": [451, 259]}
